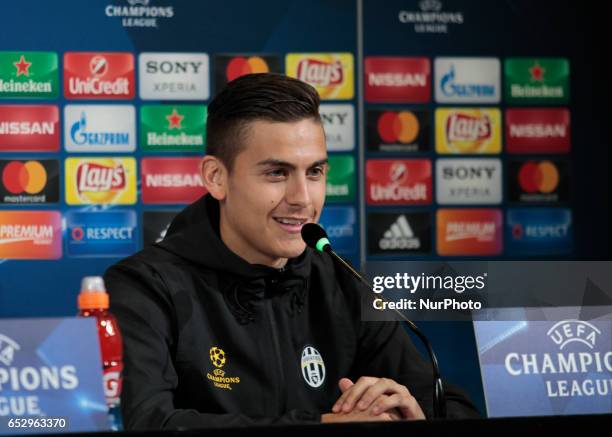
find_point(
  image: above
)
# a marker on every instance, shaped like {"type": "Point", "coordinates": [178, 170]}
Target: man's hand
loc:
{"type": "Point", "coordinates": [376, 395]}
{"type": "Point", "coordinates": [360, 416]}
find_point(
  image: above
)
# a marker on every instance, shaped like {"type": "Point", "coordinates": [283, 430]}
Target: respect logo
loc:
{"type": "Point", "coordinates": [332, 74]}
{"type": "Point", "coordinates": [100, 181]}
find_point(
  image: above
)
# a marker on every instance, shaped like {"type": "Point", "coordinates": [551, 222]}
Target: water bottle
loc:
{"type": "Point", "coordinates": [94, 302]}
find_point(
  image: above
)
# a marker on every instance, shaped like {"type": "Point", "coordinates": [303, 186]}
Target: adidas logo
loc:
{"type": "Point", "coordinates": [399, 236]}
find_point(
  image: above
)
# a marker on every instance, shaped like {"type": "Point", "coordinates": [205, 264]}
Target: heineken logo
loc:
{"type": "Point", "coordinates": [28, 74]}
{"type": "Point", "coordinates": [341, 185]}
{"type": "Point", "coordinates": [22, 66]}
{"type": "Point", "coordinates": [174, 120]}
{"type": "Point", "coordinates": [173, 128]}
{"type": "Point", "coordinates": [537, 72]}
{"type": "Point", "coordinates": [530, 80]}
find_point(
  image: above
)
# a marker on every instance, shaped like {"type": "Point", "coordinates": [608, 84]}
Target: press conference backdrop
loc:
{"type": "Point", "coordinates": [456, 129]}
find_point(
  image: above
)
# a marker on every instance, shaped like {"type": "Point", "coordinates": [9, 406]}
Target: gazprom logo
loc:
{"type": "Point", "coordinates": [8, 347]}
{"type": "Point", "coordinates": [100, 128]}
{"type": "Point", "coordinates": [79, 135]}
{"type": "Point", "coordinates": [468, 80]}
{"type": "Point", "coordinates": [451, 88]}
{"type": "Point", "coordinates": [573, 331]}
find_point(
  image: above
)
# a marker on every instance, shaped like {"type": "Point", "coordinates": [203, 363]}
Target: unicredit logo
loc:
{"type": "Point", "coordinates": [398, 182]}
{"type": "Point", "coordinates": [320, 73]}
{"type": "Point", "coordinates": [102, 75]}
{"type": "Point", "coordinates": [93, 177]}
{"type": "Point", "coordinates": [98, 66]}
{"type": "Point", "coordinates": [462, 127]}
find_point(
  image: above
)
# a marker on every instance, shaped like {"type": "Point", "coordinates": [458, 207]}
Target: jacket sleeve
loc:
{"type": "Point", "coordinates": [141, 304]}
{"type": "Point", "coordinates": [386, 350]}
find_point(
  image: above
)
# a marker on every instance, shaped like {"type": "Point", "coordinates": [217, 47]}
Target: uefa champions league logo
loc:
{"type": "Point", "coordinates": [571, 331]}
{"type": "Point", "coordinates": [7, 350]}
{"type": "Point", "coordinates": [430, 5]}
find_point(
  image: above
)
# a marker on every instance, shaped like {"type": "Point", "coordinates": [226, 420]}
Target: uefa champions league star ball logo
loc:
{"type": "Point", "coordinates": [217, 356]}
{"type": "Point", "coordinates": [313, 367]}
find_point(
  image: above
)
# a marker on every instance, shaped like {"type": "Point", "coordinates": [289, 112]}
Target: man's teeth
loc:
{"type": "Point", "coordinates": [290, 221]}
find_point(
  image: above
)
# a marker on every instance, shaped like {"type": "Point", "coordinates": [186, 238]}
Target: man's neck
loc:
{"type": "Point", "coordinates": [236, 244]}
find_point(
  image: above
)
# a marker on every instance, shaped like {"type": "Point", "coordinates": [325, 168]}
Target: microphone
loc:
{"type": "Point", "coordinates": [315, 237]}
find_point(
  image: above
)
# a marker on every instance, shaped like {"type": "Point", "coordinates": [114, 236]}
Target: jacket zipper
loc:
{"type": "Point", "coordinates": [283, 388]}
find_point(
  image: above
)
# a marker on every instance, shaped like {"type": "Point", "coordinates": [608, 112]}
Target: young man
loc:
{"type": "Point", "coordinates": [231, 320]}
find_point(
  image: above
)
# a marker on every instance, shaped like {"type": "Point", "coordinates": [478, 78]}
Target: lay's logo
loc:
{"type": "Point", "coordinates": [97, 178]}
{"type": "Point", "coordinates": [320, 73]}
{"type": "Point", "coordinates": [469, 131]}
{"type": "Point", "coordinates": [101, 181]}
{"type": "Point", "coordinates": [332, 74]}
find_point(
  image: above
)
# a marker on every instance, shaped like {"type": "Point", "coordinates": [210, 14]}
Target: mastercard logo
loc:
{"type": "Point", "coordinates": [241, 65]}
{"type": "Point", "coordinates": [538, 177]}
{"type": "Point", "coordinates": [398, 127]}
{"type": "Point", "coordinates": [24, 177]}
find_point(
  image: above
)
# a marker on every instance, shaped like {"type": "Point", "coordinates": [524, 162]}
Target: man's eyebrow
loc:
{"type": "Point", "coordinates": [281, 163]}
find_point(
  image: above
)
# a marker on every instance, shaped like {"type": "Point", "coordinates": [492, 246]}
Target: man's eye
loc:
{"type": "Point", "coordinates": [317, 171]}
{"type": "Point", "coordinates": [276, 173]}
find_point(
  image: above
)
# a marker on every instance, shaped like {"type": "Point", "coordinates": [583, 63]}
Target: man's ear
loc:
{"type": "Point", "coordinates": [214, 176]}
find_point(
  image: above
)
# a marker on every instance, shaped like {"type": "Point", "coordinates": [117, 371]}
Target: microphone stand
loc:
{"type": "Point", "coordinates": [439, 400]}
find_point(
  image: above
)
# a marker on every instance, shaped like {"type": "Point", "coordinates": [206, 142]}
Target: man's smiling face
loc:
{"type": "Point", "coordinates": [277, 184]}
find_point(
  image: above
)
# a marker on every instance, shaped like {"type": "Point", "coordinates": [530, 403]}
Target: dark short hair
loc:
{"type": "Point", "coordinates": [261, 96]}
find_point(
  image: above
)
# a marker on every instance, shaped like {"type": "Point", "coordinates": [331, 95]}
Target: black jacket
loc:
{"type": "Point", "coordinates": [211, 340]}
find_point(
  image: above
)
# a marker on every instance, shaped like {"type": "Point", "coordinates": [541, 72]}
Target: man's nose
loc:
{"type": "Point", "coordinates": [297, 191]}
